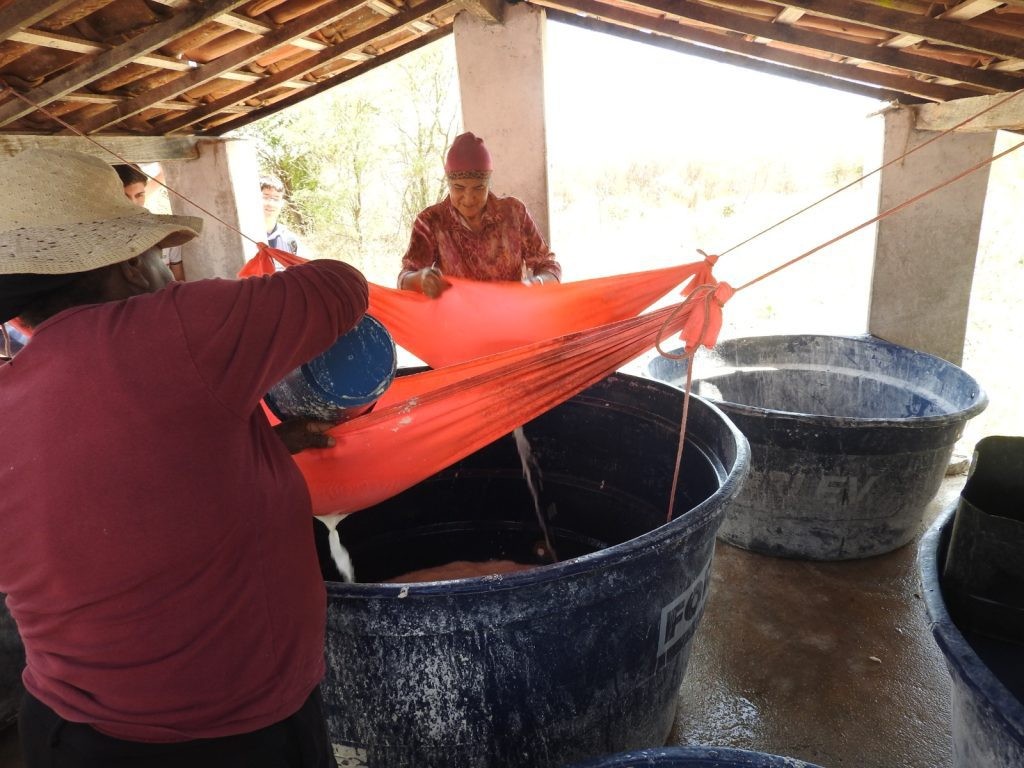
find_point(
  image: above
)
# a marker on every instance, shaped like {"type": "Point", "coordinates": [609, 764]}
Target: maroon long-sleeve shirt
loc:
{"type": "Point", "coordinates": [155, 535]}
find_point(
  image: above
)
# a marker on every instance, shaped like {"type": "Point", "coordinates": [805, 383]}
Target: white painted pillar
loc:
{"type": "Point", "coordinates": [224, 180]}
{"type": "Point", "coordinates": [501, 80]}
{"type": "Point", "coordinates": [925, 254]}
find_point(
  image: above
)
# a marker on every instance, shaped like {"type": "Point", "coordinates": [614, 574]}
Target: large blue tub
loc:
{"type": "Point", "coordinates": [849, 436]}
{"type": "Point", "coordinates": [544, 667]}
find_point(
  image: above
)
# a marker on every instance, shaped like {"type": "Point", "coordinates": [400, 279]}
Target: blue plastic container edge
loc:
{"type": "Point", "coordinates": [695, 757]}
{"type": "Point", "coordinates": [349, 400]}
{"type": "Point", "coordinates": [961, 659]}
{"type": "Point", "coordinates": [693, 518]}
{"type": "Point", "coordinates": [753, 411]}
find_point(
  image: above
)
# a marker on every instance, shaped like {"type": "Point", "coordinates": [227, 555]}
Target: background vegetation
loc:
{"type": "Point", "coordinates": [363, 159]}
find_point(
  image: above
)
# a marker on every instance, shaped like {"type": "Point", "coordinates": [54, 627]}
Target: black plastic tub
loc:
{"type": "Point", "coordinates": [849, 436]}
{"type": "Point", "coordinates": [694, 757]}
{"type": "Point", "coordinates": [542, 667]}
{"type": "Point", "coordinates": [987, 672]}
{"type": "Point", "coordinates": [983, 579]}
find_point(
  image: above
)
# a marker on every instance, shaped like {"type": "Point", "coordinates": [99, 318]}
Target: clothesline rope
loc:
{"type": "Point", "coordinates": [709, 292]}
{"type": "Point", "coordinates": [882, 167]}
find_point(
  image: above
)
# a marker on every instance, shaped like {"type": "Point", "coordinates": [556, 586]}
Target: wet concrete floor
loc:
{"type": "Point", "coordinates": [832, 663]}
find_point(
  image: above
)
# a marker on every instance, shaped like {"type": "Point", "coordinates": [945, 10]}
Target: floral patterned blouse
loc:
{"type": "Point", "coordinates": [506, 247]}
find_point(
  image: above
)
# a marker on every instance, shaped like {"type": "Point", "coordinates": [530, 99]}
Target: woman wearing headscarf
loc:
{"type": "Point", "coordinates": [155, 540]}
{"type": "Point", "coordinates": [473, 233]}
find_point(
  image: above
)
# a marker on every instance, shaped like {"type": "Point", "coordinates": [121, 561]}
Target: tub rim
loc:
{"type": "Point", "coordinates": [969, 669]}
{"type": "Point", "coordinates": [979, 404]}
{"type": "Point", "coordinates": [655, 539]}
{"type": "Point", "coordinates": [707, 756]}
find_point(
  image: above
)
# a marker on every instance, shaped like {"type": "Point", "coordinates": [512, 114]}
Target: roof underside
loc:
{"type": "Point", "coordinates": [194, 67]}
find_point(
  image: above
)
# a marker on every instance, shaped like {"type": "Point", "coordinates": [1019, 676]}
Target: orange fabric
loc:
{"type": "Point", "coordinates": [503, 354]}
{"type": "Point", "coordinates": [428, 421]}
{"type": "Point", "coordinates": [475, 318]}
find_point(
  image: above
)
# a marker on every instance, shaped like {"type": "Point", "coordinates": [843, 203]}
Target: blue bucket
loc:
{"type": "Point", "coordinates": [343, 382]}
{"type": "Point", "coordinates": [987, 713]}
{"type": "Point", "coordinates": [694, 757]}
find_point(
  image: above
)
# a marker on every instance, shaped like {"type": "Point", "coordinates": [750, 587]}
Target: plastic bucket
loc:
{"type": "Point", "coordinates": [988, 679]}
{"type": "Point", "coordinates": [542, 667]}
{"type": "Point", "coordinates": [695, 757]}
{"type": "Point", "coordinates": [12, 662]}
{"type": "Point", "coordinates": [849, 436]}
{"type": "Point", "coordinates": [343, 382]}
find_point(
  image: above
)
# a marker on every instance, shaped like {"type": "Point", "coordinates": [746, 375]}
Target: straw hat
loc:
{"type": "Point", "coordinates": [64, 212]}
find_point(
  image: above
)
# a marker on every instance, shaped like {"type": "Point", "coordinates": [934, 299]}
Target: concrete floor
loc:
{"type": "Point", "coordinates": [829, 662]}
{"type": "Point", "coordinates": [832, 663]}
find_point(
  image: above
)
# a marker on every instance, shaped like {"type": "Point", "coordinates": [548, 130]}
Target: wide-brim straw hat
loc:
{"type": "Point", "coordinates": [63, 212]}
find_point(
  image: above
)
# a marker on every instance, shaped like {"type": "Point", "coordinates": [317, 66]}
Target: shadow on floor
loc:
{"type": "Point", "coordinates": [833, 663]}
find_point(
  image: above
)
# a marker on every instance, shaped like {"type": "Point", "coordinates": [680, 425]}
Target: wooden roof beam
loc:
{"type": "Point", "coordinates": [135, 149]}
{"type": "Point", "coordinates": [899, 22]}
{"type": "Point", "coordinates": [348, 74]}
{"type": "Point", "coordinates": [721, 56]}
{"type": "Point", "coordinates": [18, 16]}
{"type": "Point", "coordinates": [735, 44]}
{"type": "Point", "coordinates": [961, 12]}
{"type": "Point", "coordinates": [107, 61]}
{"type": "Point", "coordinates": [819, 41]}
{"type": "Point", "coordinates": [942, 117]}
{"type": "Point", "coordinates": [225, 65]}
{"type": "Point", "coordinates": [314, 62]}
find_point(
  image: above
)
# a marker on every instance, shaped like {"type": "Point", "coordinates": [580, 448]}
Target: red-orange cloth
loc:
{"type": "Point", "coordinates": [435, 418]}
{"type": "Point", "coordinates": [504, 353]}
{"type": "Point", "coordinates": [475, 318]}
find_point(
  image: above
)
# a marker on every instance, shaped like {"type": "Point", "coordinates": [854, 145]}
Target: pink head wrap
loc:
{"type": "Point", "coordinates": [468, 155]}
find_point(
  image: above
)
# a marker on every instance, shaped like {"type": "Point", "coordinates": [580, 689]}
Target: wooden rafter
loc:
{"type": "Point", "coordinates": [822, 42]}
{"type": "Point", "coordinates": [899, 22]}
{"type": "Point", "coordinates": [17, 16]}
{"type": "Point", "coordinates": [314, 62]}
{"type": "Point", "coordinates": [348, 74]}
{"type": "Point", "coordinates": [223, 65]}
{"type": "Point", "coordinates": [720, 56]}
{"type": "Point", "coordinates": [737, 44]}
{"type": "Point", "coordinates": [114, 58]}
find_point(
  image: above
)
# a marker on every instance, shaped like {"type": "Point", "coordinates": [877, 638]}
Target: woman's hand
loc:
{"type": "Point", "coordinates": [300, 434]}
{"type": "Point", "coordinates": [431, 282]}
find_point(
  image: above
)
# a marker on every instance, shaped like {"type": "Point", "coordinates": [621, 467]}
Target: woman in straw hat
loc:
{"type": "Point", "coordinates": [473, 233]}
{"type": "Point", "coordinates": [155, 541]}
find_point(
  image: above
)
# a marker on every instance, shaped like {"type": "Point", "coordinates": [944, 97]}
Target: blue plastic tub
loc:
{"type": "Point", "coordinates": [343, 382]}
{"type": "Point", "coordinates": [542, 667]}
{"type": "Point", "coordinates": [694, 757]}
{"type": "Point", "coordinates": [850, 438]}
{"type": "Point", "coordinates": [988, 716]}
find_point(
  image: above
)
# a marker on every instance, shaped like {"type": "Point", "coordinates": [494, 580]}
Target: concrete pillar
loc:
{"type": "Point", "coordinates": [501, 80]}
{"type": "Point", "coordinates": [224, 180]}
{"type": "Point", "coordinates": [924, 255]}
